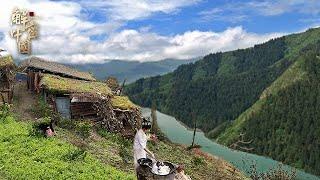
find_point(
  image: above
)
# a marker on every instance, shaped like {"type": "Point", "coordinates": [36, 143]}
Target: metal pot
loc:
{"type": "Point", "coordinates": [145, 162]}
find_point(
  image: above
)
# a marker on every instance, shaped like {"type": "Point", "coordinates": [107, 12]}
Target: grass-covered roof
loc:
{"type": "Point", "coordinates": [122, 102]}
{"type": "Point", "coordinates": [6, 61]}
{"type": "Point", "coordinates": [61, 85]}
{"type": "Point", "coordinates": [57, 84]}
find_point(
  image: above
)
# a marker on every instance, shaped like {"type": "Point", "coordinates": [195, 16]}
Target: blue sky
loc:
{"type": "Point", "coordinates": [194, 17]}
{"type": "Point", "coordinates": [150, 30]}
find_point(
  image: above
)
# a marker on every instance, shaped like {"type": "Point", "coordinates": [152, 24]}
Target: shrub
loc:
{"type": "Point", "coordinates": [41, 109]}
{"type": "Point", "coordinates": [4, 111]}
{"type": "Point", "coordinates": [83, 129]}
{"type": "Point", "coordinates": [38, 127]}
{"type": "Point", "coordinates": [66, 123]}
{"type": "Point", "coordinates": [125, 150]}
{"type": "Point", "coordinates": [278, 173]}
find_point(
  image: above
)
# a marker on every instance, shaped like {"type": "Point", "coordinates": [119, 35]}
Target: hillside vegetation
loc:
{"type": "Point", "coordinates": [223, 86]}
{"type": "Point", "coordinates": [83, 150]}
{"type": "Point", "coordinates": [285, 123]}
{"type": "Point", "coordinates": [24, 156]}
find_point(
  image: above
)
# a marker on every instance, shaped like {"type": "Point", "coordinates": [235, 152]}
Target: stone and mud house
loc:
{"type": "Point", "coordinates": [78, 95]}
{"type": "Point", "coordinates": [7, 75]}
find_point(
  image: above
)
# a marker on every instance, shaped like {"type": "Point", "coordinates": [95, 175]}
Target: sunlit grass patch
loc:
{"type": "Point", "coordinates": [25, 156]}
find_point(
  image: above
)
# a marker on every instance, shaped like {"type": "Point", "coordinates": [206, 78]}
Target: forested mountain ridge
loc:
{"type": "Point", "coordinates": [285, 123]}
{"type": "Point", "coordinates": [221, 86]}
{"type": "Point", "coordinates": [132, 70]}
{"type": "Point", "coordinates": [271, 91]}
{"type": "Point", "coordinates": [210, 85]}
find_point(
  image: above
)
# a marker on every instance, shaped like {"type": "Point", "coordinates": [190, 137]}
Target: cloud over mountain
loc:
{"type": "Point", "coordinates": [67, 35]}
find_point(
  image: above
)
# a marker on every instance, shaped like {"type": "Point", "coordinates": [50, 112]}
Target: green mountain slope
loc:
{"type": "Point", "coordinates": [285, 122]}
{"type": "Point", "coordinates": [271, 91]}
{"type": "Point", "coordinates": [221, 86]}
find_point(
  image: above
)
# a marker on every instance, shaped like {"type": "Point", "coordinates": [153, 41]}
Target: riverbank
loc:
{"type": "Point", "coordinates": [241, 160]}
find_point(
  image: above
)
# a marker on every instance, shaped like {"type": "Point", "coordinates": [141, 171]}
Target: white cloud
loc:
{"type": "Point", "coordinates": [241, 11]}
{"type": "Point", "coordinates": [65, 36]}
{"type": "Point", "coordinates": [137, 9]}
{"type": "Point", "coordinates": [148, 46]}
{"type": "Point", "coordinates": [222, 14]}
{"type": "Point", "coordinates": [196, 43]}
{"type": "Point", "coordinates": [271, 8]}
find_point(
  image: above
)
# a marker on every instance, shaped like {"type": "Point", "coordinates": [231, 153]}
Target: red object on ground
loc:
{"type": "Point", "coordinates": [49, 132]}
{"type": "Point", "coordinates": [31, 13]}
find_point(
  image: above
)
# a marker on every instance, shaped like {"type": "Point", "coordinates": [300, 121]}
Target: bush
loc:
{"type": "Point", "coordinates": [4, 111]}
{"type": "Point", "coordinates": [125, 150]}
{"type": "Point", "coordinates": [83, 129]}
{"type": "Point", "coordinates": [42, 109]}
{"type": "Point", "coordinates": [277, 173]}
{"type": "Point", "coordinates": [38, 127]}
{"type": "Point", "coordinates": [66, 123]}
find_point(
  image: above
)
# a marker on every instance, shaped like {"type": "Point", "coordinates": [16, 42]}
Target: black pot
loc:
{"type": "Point", "coordinates": [145, 162]}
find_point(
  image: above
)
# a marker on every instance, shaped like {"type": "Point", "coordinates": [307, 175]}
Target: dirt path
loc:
{"type": "Point", "coordinates": [23, 102]}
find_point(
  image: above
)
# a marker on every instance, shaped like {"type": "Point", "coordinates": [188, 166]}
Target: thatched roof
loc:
{"type": "Point", "coordinates": [84, 89]}
{"type": "Point", "coordinates": [58, 84]}
{"type": "Point", "coordinates": [57, 68]}
{"type": "Point", "coordinates": [122, 102]}
{"type": "Point", "coordinates": [6, 61]}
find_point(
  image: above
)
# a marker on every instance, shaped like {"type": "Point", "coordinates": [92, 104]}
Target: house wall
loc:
{"type": "Point", "coordinates": [68, 109]}
{"type": "Point", "coordinates": [33, 81]}
{"type": "Point", "coordinates": [82, 110]}
{"type": "Point", "coordinates": [77, 106]}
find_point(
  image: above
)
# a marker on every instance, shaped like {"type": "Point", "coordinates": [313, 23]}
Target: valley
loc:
{"type": "Point", "coordinates": [231, 93]}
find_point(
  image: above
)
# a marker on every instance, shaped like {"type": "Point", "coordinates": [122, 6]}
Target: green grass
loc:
{"type": "Point", "coordinates": [196, 165]}
{"type": "Point", "coordinates": [122, 102]}
{"type": "Point", "coordinates": [28, 157]}
{"type": "Point", "coordinates": [6, 60]}
{"type": "Point", "coordinates": [115, 150]}
{"type": "Point", "coordinates": [65, 85]}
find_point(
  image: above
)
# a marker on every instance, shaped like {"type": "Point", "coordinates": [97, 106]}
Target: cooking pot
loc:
{"type": "Point", "coordinates": [145, 162]}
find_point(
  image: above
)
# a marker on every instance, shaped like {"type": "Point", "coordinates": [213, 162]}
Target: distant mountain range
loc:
{"type": "Point", "coordinates": [264, 99]}
{"type": "Point", "coordinates": [132, 70]}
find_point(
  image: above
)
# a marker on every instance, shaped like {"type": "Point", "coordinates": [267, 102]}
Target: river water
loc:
{"type": "Point", "coordinates": [178, 133]}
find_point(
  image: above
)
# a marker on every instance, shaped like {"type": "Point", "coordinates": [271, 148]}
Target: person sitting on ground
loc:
{"type": "Point", "coordinates": [140, 144]}
{"type": "Point", "coordinates": [49, 132]}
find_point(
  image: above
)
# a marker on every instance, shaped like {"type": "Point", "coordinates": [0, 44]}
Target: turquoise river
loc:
{"type": "Point", "coordinates": [178, 133]}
